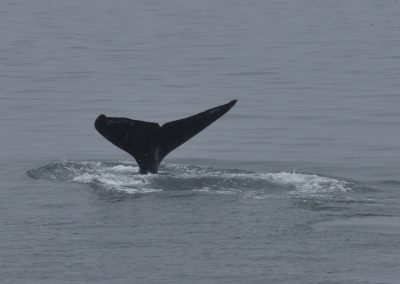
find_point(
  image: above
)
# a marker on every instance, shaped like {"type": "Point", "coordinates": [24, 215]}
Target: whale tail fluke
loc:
{"type": "Point", "coordinates": [177, 132]}
{"type": "Point", "coordinates": [149, 143]}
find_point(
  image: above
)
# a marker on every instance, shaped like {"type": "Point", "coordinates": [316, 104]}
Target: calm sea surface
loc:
{"type": "Point", "coordinates": [298, 183]}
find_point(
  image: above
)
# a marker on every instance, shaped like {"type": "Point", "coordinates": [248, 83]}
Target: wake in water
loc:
{"type": "Point", "coordinates": [121, 176]}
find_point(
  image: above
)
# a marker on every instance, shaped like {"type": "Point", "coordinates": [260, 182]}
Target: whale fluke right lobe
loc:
{"type": "Point", "coordinates": [177, 132]}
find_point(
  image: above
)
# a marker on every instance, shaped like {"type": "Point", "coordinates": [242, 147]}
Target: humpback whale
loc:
{"type": "Point", "coordinates": [148, 142]}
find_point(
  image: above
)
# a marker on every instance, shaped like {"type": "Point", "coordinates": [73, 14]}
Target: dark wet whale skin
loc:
{"type": "Point", "coordinates": [148, 142]}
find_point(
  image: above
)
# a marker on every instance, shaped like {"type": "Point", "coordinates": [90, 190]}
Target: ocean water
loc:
{"type": "Point", "coordinates": [298, 183]}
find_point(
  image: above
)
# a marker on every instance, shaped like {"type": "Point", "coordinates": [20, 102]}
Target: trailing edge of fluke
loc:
{"type": "Point", "coordinates": [148, 142]}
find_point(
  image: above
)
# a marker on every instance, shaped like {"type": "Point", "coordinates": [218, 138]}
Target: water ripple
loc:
{"type": "Point", "coordinates": [122, 176]}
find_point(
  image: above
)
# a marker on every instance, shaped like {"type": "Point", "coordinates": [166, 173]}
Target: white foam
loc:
{"type": "Point", "coordinates": [121, 176]}
{"type": "Point", "coordinates": [124, 169]}
{"type": "Point", "coordinates": [305, 183]}
{"type": "Point", "coordinates": [308, 182]}
{"type": "Point", "coordinates": [84, 178]}
{"type": "Point", "coordinates": [117, 181]}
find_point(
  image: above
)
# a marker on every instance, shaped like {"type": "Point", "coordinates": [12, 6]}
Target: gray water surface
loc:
{"type": "Point", "coordinates": [298, 183]}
